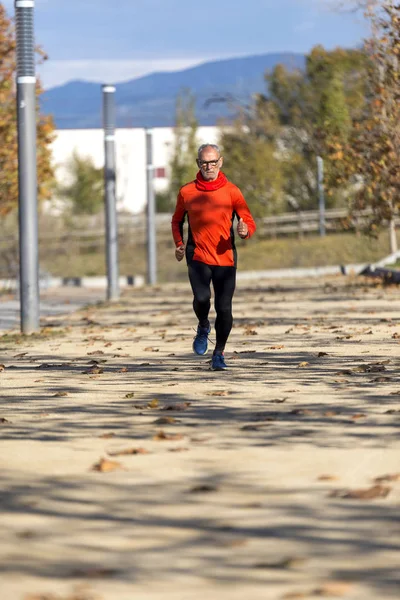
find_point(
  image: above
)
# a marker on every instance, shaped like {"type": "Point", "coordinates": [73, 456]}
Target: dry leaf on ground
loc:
{"type": "Point", "coordinates": [177, 406]}
{"type": "Point", "coordinates": [204, 488]}
{"type": "Point", "coordinates": [285, 563]}
{"type": "Point", "coordinates": [165, 421]}
{"type": "Point", "coordinates": [161, 436]}
{"type": "Point", "coordinates": [128, 452]}
{"type": "Point", "coordinates": [388, 477]}
{"type": "Point", "coordinates": [105, 466]}
{"type": "Point", "coordinates": [333, 588]}
{"type": "Point", "coordinates": [376, 491]}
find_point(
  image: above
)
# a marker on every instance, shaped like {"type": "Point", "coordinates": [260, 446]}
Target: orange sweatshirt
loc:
{"type": "Point", "coordinates": [210, 217]}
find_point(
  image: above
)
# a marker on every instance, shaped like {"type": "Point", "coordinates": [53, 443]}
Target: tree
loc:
{"type": "Point", "coordinates": [252, 163]}
{"type": "Point", "coordinates": [372, 155]}
{"type": "Point", "coordinates": [183, 166]}
{"type": "Point", "coordinates": [8, 126]}
{"type": "Point", "coordinates": [85, 193]}
{"type": "Point", "coordinates": [315, 109]}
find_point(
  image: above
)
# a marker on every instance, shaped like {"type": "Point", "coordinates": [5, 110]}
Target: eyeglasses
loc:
{"type": "Point", "coordinates": [207, 163]}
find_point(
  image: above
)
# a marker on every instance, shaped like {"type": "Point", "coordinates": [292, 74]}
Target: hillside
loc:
{"type": "Point", "coordinates": [149, 101]}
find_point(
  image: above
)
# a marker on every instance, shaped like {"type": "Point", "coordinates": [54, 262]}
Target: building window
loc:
{"type": "Point", "coordinates": [159, 172]}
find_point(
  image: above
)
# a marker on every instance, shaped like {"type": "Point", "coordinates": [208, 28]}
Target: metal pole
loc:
{"type": "Point", "coordinates": [110, 195]}
{"type": "Point", "coordinates": [27, 176]}
{"type": "Point", "coordinates": [321, 196]}
{"type": "Point", "coordinates": [151, 218]}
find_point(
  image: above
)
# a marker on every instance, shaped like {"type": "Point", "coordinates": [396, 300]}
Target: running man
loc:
{"type": "Point", "coordinates": [211, 203]}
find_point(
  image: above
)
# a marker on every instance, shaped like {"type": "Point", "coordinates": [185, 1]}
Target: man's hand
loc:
{"type": "Point", "coordinates": [180, 253]}
{"type": "Point", "coordinates": [242, 229]}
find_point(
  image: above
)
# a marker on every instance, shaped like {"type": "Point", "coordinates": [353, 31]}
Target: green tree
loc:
{"type": "Point", "coordinates": [372, 157]}
{"type": "Point", "coordinates": [183, 166]}
{"type": "Point", "coordinates": [251, 161]}
{"type": "Point", "coordinates": [85, 192]}
{"type": "Point", "coordinates": [316, 109]}
{"type": "Point", "coordinates": [8, 126]}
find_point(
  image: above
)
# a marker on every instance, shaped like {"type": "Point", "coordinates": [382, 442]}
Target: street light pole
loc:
{"type": "Point", "coordinates": [110, 194]}
{"type": "Point", "coordinates": [151, 217]}
{"type": "Point", "coordinates": [27, 173]}
{"type": "Point", "coordinates": [321, 196]}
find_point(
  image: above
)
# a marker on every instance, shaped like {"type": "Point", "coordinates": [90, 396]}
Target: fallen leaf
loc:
{"type": "Point", "coordinates": [285, 563]}
{"type": "Point", "coordinates": [254, 427]}
{"type": "Point", "coordinates": [165, 421]}
{"type": "Point", "coordinates": [94, 573]}
{"type": "Point", "coordinates": [178, 406]}
{"type": "Point", "coordinates": [389, 477]}
{"type": "Point", "coordinates": [200, 489]}
{"type": "Point", "coordinates": [303, 364]}
{"type": "Point", "coordinates": [95, 353]}
{"type": "Point", "coordinates": [129, 395]}
{"type": "Point", "coordinates": [161, 436]}
{"type": "Point", "coordinates": [301, 411]}
{"type": "Point", "coordinates": [333, 588]}
{"type": "Point", "coordinates": [322, 354]}
{"type": "Point", "coordinates": [276, 347]}
{"type": "Point", "coordinates": [93, 371]}
{"type": "Point", "coordinates": [2, 367]}
{"type": "Point", "coordinates": [151, 349]}
{"type": "Point", "coordinates": [4, 420]}
{"type": "Point", "coordinates": [107, 436]}
{"type": "Point", "coordinates": [60, 394]}
{"type": "Point", "coordinates": [122, 370]}
{"type": "Point", "coordinates": [376, 491]}
{"type": "Point", "coordinates": [279, 400]}
{"type": "Point", "coordinates": [327, 478]}
{"type": "Point", "coordinates": [128, 452]}
{"type": "Point", "coordinates": [218, 393]}
{"type": "Point", "coordinates": [153, 403]}
{"type": "Point", "coordinates": [105, 466]}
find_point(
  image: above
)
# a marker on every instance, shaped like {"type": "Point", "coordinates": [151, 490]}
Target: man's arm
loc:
{"type": "Point", "coordinates": [246, 226]}
{"type": "Point", "coordinates": [177, 228]}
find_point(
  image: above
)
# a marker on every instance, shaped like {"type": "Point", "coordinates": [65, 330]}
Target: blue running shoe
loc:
{"type": "Point", "coordinates": [218, 362]}
{"type": "Point", "coordinates": [200, 342]}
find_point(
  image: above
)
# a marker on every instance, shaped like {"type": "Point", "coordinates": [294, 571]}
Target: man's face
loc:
{"type": "Point", "coordinates": [209, 163]}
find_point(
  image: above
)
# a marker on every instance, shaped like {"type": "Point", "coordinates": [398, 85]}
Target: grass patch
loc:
{"type": "Point", "coordinates": [46, 333]}
{"type": "Point", "coordinates": [254, 255]}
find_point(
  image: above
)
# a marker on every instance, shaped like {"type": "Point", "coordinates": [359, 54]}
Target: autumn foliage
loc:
{"type": "Point", "coordinates": [372, 152]}
{"type": "Point", "coordinates": [8, 125]}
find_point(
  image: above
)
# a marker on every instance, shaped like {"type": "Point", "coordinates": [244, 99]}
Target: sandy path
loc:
{"type": "Point", "coordinates": [237, 488]}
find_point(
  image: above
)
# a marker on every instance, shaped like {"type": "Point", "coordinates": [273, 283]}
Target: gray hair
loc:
{"type": "Point", "coordinates": [204, 146]}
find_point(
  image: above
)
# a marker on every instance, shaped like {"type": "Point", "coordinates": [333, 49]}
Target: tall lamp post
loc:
{"type": "Point", "coordinates": [110, 194]}
{"type": "Point", "coordinates": [27, 171]}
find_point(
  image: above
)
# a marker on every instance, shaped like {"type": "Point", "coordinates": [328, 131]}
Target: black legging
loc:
{"type": "Point", "coordinates": [224, 281]}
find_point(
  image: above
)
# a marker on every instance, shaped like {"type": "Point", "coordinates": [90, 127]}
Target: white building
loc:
{"type": "Point", "coordinates": [130, 150]}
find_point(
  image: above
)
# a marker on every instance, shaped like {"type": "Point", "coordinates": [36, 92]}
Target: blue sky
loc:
{"type": "Point", "coordinates": [117, 40]}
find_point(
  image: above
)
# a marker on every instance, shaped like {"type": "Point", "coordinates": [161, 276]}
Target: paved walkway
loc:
{"type": "Point", "coordinates": [55, 301]}
{"type": "Point", "coordinates": [129, 470]}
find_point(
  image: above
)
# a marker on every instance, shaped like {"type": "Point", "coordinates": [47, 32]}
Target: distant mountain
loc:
{"type": "Point", "coordinates": [149, 101]}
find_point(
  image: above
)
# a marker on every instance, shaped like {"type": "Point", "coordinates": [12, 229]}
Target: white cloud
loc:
{"type": "Point", "coordinates": [58, 72]}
